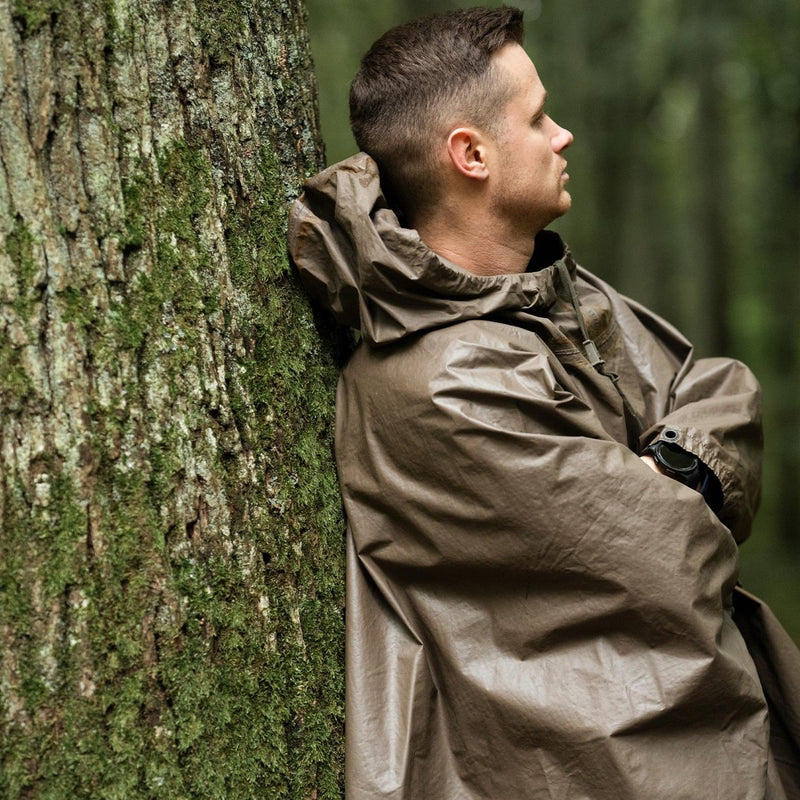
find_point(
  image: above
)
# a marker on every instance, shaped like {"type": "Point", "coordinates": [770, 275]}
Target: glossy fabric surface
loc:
{"type": "Point", "coordinates": [531, 611]}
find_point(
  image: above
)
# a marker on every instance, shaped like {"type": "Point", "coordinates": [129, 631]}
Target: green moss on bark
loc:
{"type": "Point", "coordinates": [16, 386]}
{"type": "Point", "coordinates": [31, 15]}
{"type": "Point", "coordinates": [172, 560]}
{"type": "Point", "coordinates": [19, 246]}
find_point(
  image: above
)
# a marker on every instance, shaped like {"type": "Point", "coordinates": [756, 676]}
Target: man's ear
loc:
{"type": "Point", "coordinates": [467, 149]}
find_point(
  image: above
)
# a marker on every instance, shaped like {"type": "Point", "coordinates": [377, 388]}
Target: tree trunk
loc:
{"type": "Point", "coordinates": [171, 576]}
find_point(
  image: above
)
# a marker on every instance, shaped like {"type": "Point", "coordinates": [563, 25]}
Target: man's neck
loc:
{"type": "Point", "coordinates": [478, 248]}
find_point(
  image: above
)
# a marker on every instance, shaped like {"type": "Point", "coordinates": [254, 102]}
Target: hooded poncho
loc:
{"type": "Point", "coordinates": [532, 612]}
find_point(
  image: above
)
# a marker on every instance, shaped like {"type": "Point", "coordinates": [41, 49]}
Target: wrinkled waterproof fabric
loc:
{"type": "Point", "coordinates": [532, 612]}
{"type": "Point", "coordinates": [777, 660]}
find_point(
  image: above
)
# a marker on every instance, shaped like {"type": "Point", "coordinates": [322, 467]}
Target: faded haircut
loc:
{"type": "Point", "coordinates": [418, 82]}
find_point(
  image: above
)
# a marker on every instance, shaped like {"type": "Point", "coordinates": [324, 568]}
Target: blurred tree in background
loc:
{"type": "Point", "coordinates": [685, 176]}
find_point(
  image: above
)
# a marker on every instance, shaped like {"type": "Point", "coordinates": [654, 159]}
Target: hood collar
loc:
{"type": "Point", "coordinates": [356, 259]}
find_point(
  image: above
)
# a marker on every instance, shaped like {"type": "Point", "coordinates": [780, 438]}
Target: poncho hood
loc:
{"type": "Point", "coordinates": [356, 259]}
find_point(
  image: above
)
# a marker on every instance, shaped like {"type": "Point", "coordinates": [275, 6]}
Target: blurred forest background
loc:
{"type": "Point", "coordinates": [685, 179]}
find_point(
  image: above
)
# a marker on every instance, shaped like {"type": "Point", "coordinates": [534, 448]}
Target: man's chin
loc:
{"type": "Point", "coordinates": [563, 207]}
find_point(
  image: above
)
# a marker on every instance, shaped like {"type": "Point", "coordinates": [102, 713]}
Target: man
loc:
{"type": "Point", "coordinates": [544, 490]}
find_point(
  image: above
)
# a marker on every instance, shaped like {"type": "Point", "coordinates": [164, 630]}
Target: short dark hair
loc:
{"type": "Point", "coordinates": [416, 82]}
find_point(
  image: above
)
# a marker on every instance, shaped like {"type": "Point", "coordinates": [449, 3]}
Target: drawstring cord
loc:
{"type": "Point", "coordinates": [634, 423]}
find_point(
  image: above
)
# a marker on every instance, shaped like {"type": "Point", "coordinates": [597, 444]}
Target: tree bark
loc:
{"type": "Point", "coordinates": [171, 571]}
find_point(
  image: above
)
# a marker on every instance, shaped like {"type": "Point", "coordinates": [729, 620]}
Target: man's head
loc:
{"type": "Point", "coordinates": [421, 80]}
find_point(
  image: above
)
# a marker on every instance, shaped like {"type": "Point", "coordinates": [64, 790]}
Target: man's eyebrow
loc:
{"type": "Point", "coordinates": [540, 107]}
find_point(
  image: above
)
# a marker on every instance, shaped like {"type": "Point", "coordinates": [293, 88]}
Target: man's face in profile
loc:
{"type": "Point", "coordinates": [528, 180]}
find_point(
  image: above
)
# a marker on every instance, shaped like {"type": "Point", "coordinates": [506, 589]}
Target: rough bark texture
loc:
{"type": "Point", "coordinates": [170, 564]}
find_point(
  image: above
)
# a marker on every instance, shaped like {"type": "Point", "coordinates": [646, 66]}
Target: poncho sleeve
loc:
{"type": "Point", "coordinates": [715, 413]}
{"type": "Point", "coordinates": [711, 406]}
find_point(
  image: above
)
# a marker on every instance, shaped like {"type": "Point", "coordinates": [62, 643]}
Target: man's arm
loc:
{"type": "Point", "coordinates": [715, 413]}
{"type": "Point", "coordinates": [711, 407]}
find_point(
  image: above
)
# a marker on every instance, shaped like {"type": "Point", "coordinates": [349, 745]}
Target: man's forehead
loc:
{"type": "Point", "coordinates": [513, 58]}
{"type": "Point", "coordinates": [515, 62]}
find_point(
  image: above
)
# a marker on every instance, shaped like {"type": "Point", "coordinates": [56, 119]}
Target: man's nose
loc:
{"type": "Point", "coordinates": [561, 139]}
